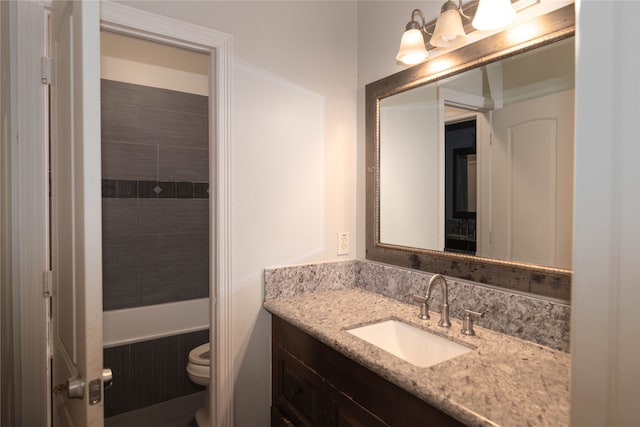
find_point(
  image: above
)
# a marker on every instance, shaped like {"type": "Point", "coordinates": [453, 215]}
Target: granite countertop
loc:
{"type": "Point", "coordinates": [504, 381]}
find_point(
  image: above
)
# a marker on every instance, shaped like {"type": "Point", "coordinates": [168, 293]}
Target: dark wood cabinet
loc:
{"type": "Point", "coordinates": [297, 393]}
{"type": "Point", "coordinates": [345, 412]}
{"type": "Point", "coordinates": [314, 385]}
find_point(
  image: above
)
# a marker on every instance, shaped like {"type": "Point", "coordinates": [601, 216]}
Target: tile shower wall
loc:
{"type": "Point", "coordinates": [150, 372]}
{"type": "Point", "coordinates": [155, 170]}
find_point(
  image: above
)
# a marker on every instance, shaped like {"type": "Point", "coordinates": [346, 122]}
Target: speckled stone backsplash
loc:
{"type": "Point", "coordinates": [533, 319]}
{"type": "Point", "coordinates": [302, 279]}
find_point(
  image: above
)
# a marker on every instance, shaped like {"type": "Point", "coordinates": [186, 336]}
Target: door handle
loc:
{"type": "Point", "coordinates": [107, 378]}
{"type": "Point", "coordinates": [75, 387]}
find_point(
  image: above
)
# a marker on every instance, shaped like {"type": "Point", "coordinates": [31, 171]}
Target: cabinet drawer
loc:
{"type": "Point", "coordinates": [278, 419]}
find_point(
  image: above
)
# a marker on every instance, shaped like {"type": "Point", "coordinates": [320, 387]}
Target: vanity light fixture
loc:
{"type": "Point", "coordinates": [413, 49]}
{"type": "Point", "coordinates": [449, 31]}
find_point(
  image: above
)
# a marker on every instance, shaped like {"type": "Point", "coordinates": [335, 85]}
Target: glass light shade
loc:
{"type": "Point", "coordinates": [412, 48]}
{"type": "Point", "coordinates": [449, 31]}
{"type": "Point", "coordinates": [493, 14]}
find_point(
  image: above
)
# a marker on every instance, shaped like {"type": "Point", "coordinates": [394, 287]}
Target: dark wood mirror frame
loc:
{"type": "Point", "coordinates": [529, 278]}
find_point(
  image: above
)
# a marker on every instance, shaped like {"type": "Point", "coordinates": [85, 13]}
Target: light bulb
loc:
{"type": "Point", "coordinates": [493, 14]}
{"type": "Point", "coordinates": [449, 31]}
{"type": "Point", "coordinates": [412, 48]}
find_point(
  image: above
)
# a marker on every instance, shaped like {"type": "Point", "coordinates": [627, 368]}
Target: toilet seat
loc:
{"type": "Point", "coordinates": [199, 371]}
{"type": "Point", "coordinates": [200, 355]}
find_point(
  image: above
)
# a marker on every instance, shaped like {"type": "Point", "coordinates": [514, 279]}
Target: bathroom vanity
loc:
{"type": "Point", "coordinates": [314, 384]}
{"type": "Point", "coordinates": [325, 376]}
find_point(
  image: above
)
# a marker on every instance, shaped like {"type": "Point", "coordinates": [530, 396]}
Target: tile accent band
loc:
{"type": "Point", "coordinates": [145, 189]}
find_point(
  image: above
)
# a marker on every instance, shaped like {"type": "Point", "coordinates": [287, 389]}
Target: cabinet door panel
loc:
{"type": "Point", "coordinates": [296, 390]}
{"type": "Point", "coordinates": [347, 413]}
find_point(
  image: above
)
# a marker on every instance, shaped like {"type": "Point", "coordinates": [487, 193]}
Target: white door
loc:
{"type": "Point", "coordinates": [532, 180]}
{"type": "Point", "coordinates": [76, 215]}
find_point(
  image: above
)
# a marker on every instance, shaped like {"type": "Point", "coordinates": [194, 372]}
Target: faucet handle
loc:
{"type": "Point", "coordinates": [424, 309]}
{"type": "Point", "coordinates": [467, 321]}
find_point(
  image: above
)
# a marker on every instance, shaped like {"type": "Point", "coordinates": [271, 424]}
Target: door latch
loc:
{"type": "Point", "coordinates": [96, 386]}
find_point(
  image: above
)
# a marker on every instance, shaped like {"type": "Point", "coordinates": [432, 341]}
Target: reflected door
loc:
{"type": "Point", "coordinates": [532, 181]}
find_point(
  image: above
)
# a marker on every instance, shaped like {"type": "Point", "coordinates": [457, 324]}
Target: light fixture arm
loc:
{"type": "Point", "coordinates": [460, 10]}
{"type": "Point", "coordinates": [451, 5]}
{"type": "Point", "coordinates": [415, 25]}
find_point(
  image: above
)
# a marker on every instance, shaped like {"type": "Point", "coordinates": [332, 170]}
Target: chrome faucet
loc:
{"type": "Point", "coordinates": [444, 314]}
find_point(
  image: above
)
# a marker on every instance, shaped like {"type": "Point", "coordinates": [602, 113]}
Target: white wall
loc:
{"type": "Point", "coordinates": [605, 319]}
{"type": "Point", "coordinates": [293, 155]}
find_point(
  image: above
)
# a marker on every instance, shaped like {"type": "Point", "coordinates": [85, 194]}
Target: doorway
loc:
{"type": "Point", "coordinates": [126, 20]}
{"type": "Point", "coordinates": [133, 22]}
{"type": "Point", "coordinates": [155, 217]}
{"type": "Point", "coordinates": [461, 180]}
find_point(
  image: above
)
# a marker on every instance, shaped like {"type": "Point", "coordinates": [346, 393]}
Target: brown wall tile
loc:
{"type": "Point", "coordinates": [129, 161]}
{"type": "Point", "coordinates": [183, 164]}
{"type": "Point", "coordinates": [155, 245]}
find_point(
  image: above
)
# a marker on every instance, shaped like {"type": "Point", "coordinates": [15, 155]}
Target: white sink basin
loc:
{"type": "Point", "coordinates": [412, 344]}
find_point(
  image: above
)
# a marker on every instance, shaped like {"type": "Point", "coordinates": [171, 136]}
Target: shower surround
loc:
{"type": "Point", "coordinates": [155, 170]}
{"type": "Point", "coordinates": [155, 211]}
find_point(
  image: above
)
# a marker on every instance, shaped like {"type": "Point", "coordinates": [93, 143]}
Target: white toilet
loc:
{"type": "Point", "coordinates": [199, 370]}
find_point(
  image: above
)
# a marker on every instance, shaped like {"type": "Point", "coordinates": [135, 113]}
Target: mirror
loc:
{"type": "Point", "coordinates": [470, 166]}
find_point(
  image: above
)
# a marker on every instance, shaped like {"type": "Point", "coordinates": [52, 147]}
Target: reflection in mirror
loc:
{"type": "Point", "coordinates": [481, 163]}
{"type": "Point", "coordinates": [461, 187]}
{"type": "Point", "coordinates": [464, 182]}
{"type": "Point", "coordinates": [408, 202]}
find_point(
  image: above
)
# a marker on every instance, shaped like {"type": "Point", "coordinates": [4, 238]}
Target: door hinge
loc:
{"type": "Point", "coordinates": [45, 70]}
{"type": "Point", "coordinates": [47, 284]}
